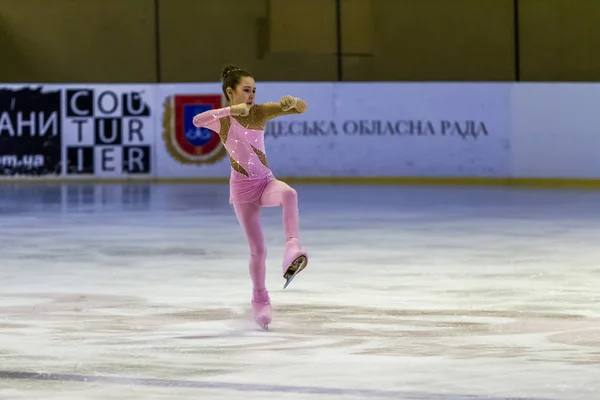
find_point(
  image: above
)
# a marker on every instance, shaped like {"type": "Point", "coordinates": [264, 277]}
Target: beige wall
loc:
{"type": "Point", "coordinates": [438, 40]}
{"type": "Point", "coordinates": [560, 40]}
{"type": "Point", "coordinates": [76, 40]}
{"type": "Point", "coordinates": [199, 36]}
{"type": "Point", "coordinates": [407, 40]}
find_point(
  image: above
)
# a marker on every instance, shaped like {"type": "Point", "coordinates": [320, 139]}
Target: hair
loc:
{"type": "Point", "coordinates": [231, 76]}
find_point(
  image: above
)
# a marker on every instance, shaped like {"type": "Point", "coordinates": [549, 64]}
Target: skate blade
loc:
{"type": "Point", "coordinates": [298, 265]}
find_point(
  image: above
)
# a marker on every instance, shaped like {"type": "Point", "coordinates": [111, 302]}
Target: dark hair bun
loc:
{"type": "Point", "coordinates": [227, 70]}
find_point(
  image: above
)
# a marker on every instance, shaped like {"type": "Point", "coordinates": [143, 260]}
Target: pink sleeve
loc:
{"type": "Point", "coordinates": [210, 119]}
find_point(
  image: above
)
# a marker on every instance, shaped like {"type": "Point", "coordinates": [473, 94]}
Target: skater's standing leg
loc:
{"type": "Point", "coordinates": [278, 193]}
{"type": "Point", "coordinates": [249, 218]}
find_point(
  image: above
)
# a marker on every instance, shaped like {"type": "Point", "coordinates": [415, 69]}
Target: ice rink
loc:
{"type": "Point", "coordinates": [432, 293]}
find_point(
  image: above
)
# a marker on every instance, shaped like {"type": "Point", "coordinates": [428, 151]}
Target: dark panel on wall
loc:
{"type": "Point", "coordinates": [559, 40]}
{"type": "Point", "coordinates": [198, 37]}
{"type": "Point", "coordinates": [77, 41]}
{"type": "Point", "coordinates": [435, 40]}
{"type": "Point", "coordinates": [306, 26]}
{"type": "Point", "coordinates": [13, 59]}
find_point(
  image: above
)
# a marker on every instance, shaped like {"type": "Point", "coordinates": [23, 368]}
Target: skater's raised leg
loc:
{"type": "Point", "coordinates": [278, 193]}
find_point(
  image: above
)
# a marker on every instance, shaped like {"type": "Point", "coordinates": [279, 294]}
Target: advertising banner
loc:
{"type": "Point", "coordinates": [374, 129]}
{"type": "Point", "coordinates": [182, 150]}
{"type": "Point", "coordinates": [30, 131]}
{"type": "Point", "coordinates": [108, 131]}
{"type": "Point", "coordinates": [394, 129]}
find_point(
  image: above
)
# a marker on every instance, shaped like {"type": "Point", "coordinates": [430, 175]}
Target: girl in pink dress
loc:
{"type": "Point", "coordinates": [252, 184]}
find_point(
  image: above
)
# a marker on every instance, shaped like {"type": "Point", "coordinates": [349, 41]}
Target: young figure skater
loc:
{"type": "Point", "coordinates": [252, 184]}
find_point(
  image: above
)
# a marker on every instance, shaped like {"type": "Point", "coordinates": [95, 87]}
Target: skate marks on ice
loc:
{"type": "Point", "coordinates": [248, 387]}
{"type": "Point", "coordinates": [120, 323]}
{"type": "Point", "coordinates": [125, 340]}
{"type": "Point", "coordinates": [453, 334]}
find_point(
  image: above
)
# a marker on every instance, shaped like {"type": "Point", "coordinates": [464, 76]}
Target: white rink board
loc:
{"type": "Point", "coordinates": [556, 130]}
{"type": "Point", "coordinates": [373, 129]}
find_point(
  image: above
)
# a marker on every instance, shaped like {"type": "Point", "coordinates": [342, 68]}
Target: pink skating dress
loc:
{"type": "Point", "coordinates": [244, 140]}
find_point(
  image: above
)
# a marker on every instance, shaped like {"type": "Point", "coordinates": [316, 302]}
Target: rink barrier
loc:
{"type": "Point", "coordinates": [542, 183]}
{"type": "Point", "coordinates": [478, 134]}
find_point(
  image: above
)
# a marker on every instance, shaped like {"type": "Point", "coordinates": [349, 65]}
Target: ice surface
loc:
{"type": "Point", "coordinates": [142, 291]}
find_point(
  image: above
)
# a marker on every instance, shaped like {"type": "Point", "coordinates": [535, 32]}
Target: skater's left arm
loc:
{"type": "Point", "coordinates": [287, 105]}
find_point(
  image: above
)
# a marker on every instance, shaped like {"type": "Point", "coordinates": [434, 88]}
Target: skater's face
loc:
{"type": "Point", "coordinates": [244, 92]}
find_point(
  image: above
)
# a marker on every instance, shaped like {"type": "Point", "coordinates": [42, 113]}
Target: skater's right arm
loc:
{"type": "Point", "coordinates": [210, 118]}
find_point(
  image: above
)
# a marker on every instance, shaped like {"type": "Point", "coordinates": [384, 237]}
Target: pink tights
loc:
{"type": "Point", "coordinates": [277, 193]}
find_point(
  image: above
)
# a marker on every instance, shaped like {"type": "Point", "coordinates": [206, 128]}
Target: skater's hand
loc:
{"type": "Point", "coordinates": [288, 102]}
{"type": "Point", "coordinates": [241, 109]}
